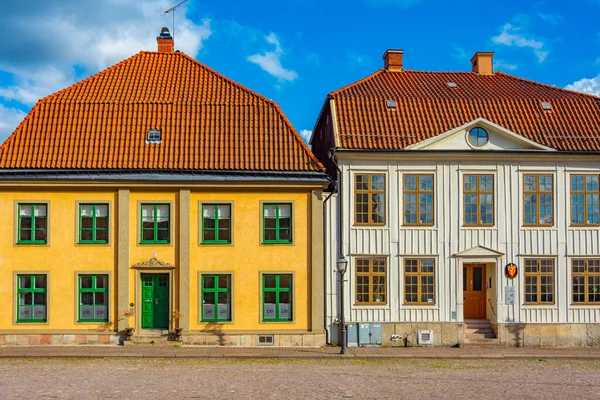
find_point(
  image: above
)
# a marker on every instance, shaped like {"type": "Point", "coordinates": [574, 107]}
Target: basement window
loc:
{"type": "Point", "coordinates": [154, 136]}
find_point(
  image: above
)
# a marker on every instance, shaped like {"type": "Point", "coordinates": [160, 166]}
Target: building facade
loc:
{"type": "Point", "coordinates": [467, 206]}
{"type": "Point", "coordinates": [161, 196]}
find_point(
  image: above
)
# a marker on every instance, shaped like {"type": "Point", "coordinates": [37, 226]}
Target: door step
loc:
{"type": "Point", "coordinates": [151, 337]}
{"type": "Point", "coordinates": [479, 332]}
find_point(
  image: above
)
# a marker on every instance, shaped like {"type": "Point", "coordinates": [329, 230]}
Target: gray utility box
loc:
{"type": "Point", "coordinates": [364, 335]}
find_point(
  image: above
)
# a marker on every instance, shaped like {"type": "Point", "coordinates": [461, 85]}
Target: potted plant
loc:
{"type": "Point", "coordinates": [175, 317]}
{"type": "Point", "coordinates": [128, 330]}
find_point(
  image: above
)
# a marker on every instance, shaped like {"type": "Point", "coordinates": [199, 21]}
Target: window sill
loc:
{"type": "Point", "coordinates": [276, 243]}
{"type": "Point", "coordinates": [384, 226]}
{"type": "Point", "coordinates": [595, 306]}
{"type": "Point", "coordinates": [538, 306]}
{"type": "Point", "coordinates": [479, 227]}
{"type": "Point", "coordinates": [216, 244]}
{"type": "Point", "coordinates": [537, 228]}
{"type": "Point", "coordinates": [93, 243]}
{"type": "Point", "coordinates": [428, 227]}
{"type": "Point", "coordinates": [154, 243]}
{"type": "Point", "coordinates": [277, 322]}
{"type": "Point", "coordinates": [31, 244]}
{"type": "Point", "coordinates": [420, 306]}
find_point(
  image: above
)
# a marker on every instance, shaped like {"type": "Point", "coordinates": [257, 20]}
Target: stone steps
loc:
{"type": "Point", "coordinates": [480, 332]}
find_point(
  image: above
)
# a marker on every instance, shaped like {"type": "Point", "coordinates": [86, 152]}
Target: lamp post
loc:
{"type": "Point", "coordinates": [342, 266]}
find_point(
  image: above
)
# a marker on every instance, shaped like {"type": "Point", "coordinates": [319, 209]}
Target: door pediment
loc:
{"type": "Point", "coordinates": [154, 264]}
{"type": "Point", "coordinates": [499, 138]}
{"type": "Point", "coordinates": [479, 252]}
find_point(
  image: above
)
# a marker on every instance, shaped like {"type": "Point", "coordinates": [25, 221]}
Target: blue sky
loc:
{"type": "Point", "coordinates": [294, 51]}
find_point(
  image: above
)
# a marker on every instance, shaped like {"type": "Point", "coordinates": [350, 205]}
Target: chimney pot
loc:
{"type": "Point", "coordinates": [483, 63]}
{"type": "Point", "coordinates": [165, 41]}
{"type": "Point", "coordinates": [392, 60]}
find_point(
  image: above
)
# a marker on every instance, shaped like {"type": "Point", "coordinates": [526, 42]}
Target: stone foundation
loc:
{"type": "Point", "coordinates": [24, 339]}
{"type": "Point", "coordinates": [249, 340]}
{"type": "Point", "coordinates": [549, 335]}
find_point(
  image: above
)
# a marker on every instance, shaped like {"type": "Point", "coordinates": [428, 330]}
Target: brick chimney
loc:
{"type": "Point", "coordinates": [392, 60]}
{"type": "Point", "coordinates": [165, 41]}
{"type": "Point", "coordinates": [483, 62]}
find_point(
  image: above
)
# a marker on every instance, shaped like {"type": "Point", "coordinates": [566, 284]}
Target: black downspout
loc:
{"type": "Point", "coordinates": [344, 332]}
{"type": "Point", "coordinates": [325, 262]}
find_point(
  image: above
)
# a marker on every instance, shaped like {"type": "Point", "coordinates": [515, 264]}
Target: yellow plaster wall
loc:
{"type": "Point", "coordinates": [247, 258]}
{"type": "Point", "coordinates": [61, 258]}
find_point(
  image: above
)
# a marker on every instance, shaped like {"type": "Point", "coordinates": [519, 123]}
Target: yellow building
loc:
{"type": "Point", "coordinates": [162, 196]}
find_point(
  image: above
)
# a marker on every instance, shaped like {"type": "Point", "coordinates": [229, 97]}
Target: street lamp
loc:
{"type": "Point", "coordinates": [342, 266]}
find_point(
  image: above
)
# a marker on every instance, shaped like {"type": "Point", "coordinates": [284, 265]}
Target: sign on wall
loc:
{"type": "Point", "coordinates": [511, 270]}
{"type": "Point", "coordinates": [511, 294]}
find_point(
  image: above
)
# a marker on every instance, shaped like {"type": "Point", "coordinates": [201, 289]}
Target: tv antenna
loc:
{"type": "Point", "coordinates": [172, 10]}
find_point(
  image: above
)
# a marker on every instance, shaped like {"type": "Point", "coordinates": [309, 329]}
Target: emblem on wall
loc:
{"type": "Point", "coordinates": [511, 270]}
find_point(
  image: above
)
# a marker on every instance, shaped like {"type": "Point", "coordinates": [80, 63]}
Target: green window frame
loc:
{"type": "Point", "coordinates": [216, 298]}
{"type": "Point", "coordinates": [93, 298]}
{"type": "Point", "coordinates": [32, 298]}
{"type": "Point", "coordinates": [155, 223]}
{"type": "Point", "coordinates": [216, 223]}
{"type": "Point", "coordinates": [277, 223]}
{"type": "Point", "coordinates": [277, 296]}
{"type": "Point", "coordinates": [93, 223]}
{"type": "Point", "coordinates": [33, 224]}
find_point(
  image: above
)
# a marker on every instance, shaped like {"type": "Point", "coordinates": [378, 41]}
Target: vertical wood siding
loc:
{"type": "Point", "coordinates": [448, 236]}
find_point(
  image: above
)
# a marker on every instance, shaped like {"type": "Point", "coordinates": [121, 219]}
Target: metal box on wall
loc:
{"type": "Point", "coordinates": [352, 335]}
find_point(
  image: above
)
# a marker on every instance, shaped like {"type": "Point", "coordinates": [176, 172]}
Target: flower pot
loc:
{"type": "Point", "coordinates": [178, 333]}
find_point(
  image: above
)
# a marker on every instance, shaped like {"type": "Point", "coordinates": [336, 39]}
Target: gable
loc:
{"type": "Point", "coordinates": [498, 138]}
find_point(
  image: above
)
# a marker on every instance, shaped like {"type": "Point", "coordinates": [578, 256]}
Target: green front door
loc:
{"type": "Point", "coordinates": [155, 301]}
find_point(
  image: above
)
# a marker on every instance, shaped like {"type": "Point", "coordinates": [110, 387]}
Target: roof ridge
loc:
{"type": "Point", "coordinates": [213, 71]}
{"type": "Point", "coordinates": [548, 86]}
{"type": "Point", "coordinates": [366, 78]}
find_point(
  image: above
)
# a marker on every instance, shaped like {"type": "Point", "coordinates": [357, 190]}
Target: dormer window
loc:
{"type": "Point", "coordinates": [478, 137]}
{"type": "Point", "coordinates": [153, 136]}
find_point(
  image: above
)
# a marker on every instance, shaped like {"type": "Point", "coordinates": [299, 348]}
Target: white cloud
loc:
{"type": "Point", "coordinates": [585, 85]}
{"type": "Point", "coordinates": [270, 61]}
{"type": "Point", "coordinates": [511, 35]}
{"type": "Point", "coordinates": [10, 118]}
{"type": "Point", "coordinates": [359, 60]}
{"type": "Point", "coordinates": [305, 134]}
{"type": "Point", "coordinates": [552, 19]}
{"type": "Point", "coordinates": [48, 39]}
{"type": "Point", "coordinates": [504, 65]}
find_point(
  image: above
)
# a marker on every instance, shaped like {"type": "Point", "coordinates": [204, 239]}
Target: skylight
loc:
{"type": "Point", "coordinates": [546, 106]}
{"type": "Point", "coordinates": [153, 136]}
{"type": "Point", "coordinates": [390, 103]}
{"type": "Point", "coordinates": [452, 84]}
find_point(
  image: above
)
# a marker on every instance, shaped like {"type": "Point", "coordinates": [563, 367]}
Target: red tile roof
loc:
{"type": "Point", "coordinates": [208, 122]}
{"type": "Point", "coordinates": [427, 107]}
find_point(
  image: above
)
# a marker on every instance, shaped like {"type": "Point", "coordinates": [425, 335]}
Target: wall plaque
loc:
{"type": "Point", "coordinates": [510, 294]}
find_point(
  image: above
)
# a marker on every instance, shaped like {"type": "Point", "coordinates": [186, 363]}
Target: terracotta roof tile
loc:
{"type": "Point", "coordinates": [208, 122]}
{"type": "Point", "coordinates": [427, 107]}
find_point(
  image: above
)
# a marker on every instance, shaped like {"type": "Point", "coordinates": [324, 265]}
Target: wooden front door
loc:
{"type": "Point", "coordinates": [474, 291]}
{"type": "Point", "coordinates": [155, 301]}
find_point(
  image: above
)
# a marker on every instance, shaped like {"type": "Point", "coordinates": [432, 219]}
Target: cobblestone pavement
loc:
{"type": "Point", "coordinates": [132, 378]}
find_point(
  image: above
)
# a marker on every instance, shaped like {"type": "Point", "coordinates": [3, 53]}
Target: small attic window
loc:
{"type": "Point", "coordinates": [452, 84]}
{"type": "Point", "coordinates": [153, 136]}
{"type": "Point", "coordinates": [390, 103]}
{"type": "Point", "coordinates": [546, 106]}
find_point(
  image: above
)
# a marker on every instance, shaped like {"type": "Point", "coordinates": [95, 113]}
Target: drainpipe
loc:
{"type": "Point", "coordinates": [327, 340]}
{"type": "Point", "coordinates": [343, 330]}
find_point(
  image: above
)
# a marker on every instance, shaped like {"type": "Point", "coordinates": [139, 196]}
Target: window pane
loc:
{"type": "Point", "coordinates": [147, 234]}
{"type": "Point", "coordinates": [102, 223]}
{"type": "Point", "coordinates": [87, 298]}
{"type": "Point", "coordinates": [224, 235]}
{"type": "Point", "coordinates": [209, 282]}
{"type": "Point", "coordinates": [40, 211]}
{"type": "Point", "coordinates": [86, 282]}
{"type": "Point", "coordinates": [25, 210]}
{"type": "Point", "coordinates": [223, 282]}
{"type": "Point", "coordinates": [102, 235]}
{"type": "Point", "coordinates": [270, 211]}
{"type": "Point", "coordinates": [40, 223]}
{"type": "Point", "coordinates": [86, 235]}
{"type": "Point", "coordinates": [101, 282]}
{"type": "Point", "coordinates": [100, 298]}
{"type": "Point", "coordinates": [163, 234]}
{"type": "Point", "coordinates": [270, 281]}
{"type": "Point", "coordinates": [25, 282]}
{"type": "Point", "coordinates": [40, 282]}
{"type": "Point", "coordinates": [39, 298]}
{"type": "Point", "coordinates": [285, 281]}
{"type": "Point", "coordinates": [25, 299]}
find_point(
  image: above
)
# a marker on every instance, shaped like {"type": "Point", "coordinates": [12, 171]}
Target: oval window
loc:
{"type": "Point", "coordinates": [478, 137]}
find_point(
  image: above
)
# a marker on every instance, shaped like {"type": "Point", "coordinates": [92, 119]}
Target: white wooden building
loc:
{"type": "Point", "coordinates": [444, 180]}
